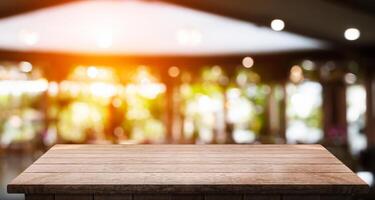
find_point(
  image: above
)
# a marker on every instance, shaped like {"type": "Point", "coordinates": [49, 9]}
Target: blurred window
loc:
{"type": "Point", "coordinates": [304, 112]}
{"type": "Point", "coordinates": [21, 92]}
{"type": "Point", "coordinates": [356, 115]}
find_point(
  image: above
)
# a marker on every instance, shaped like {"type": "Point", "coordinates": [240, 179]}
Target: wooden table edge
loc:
{"type": "Point", "coordinates": [340, 189]}
{"type": "Point", "coordinates": [188, 189]}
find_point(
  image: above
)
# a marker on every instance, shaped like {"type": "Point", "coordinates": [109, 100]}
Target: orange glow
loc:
{"type": "Point", "coordinates": [173, 71]}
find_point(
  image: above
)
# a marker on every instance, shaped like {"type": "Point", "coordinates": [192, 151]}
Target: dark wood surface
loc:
{"type": "Point", "coordinates": [167, 170]}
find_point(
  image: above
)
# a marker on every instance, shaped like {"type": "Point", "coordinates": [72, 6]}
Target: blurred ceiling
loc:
{"type": "Point", "coordinates": [321, 19]}
{"type": "Point", "coordinates": [132, 27]}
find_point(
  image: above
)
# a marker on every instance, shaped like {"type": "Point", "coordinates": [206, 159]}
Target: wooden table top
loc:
{"type": "Point", "coordinates": [187, 169]}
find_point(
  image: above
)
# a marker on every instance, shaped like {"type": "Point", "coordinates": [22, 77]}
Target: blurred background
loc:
{"type": "Point", "coordinates": [187, 72]}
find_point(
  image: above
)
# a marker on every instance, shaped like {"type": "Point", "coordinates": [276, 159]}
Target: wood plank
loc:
{"type": "Point", "coordinates": [187, 168]}
{"type": "Point", "coordinates": [203, 152]}
{"type": "Point", "coordinates": [156, 151]}
{"type": "Point", "coordinates": [184, 155]}
{"type": "Point", "coordinates": [222, 197]}
{"type": "Point", "coordinates": [39, 197]}
{"type": "Point", "coordinates": [262, 197]}
{"type": "Point", "coordinates": [299, 197]}
{"type": "Point", "coordinates": [41, 183]}
{"type": "Point", "coordinates": [335, 197]}
{"type": "Point", "coordinates": [193, 160]}
{"type": "Point", "coordinates": [74, 197]}
{"type": "Point", "coordinates": [187, 197]}
{"type": "Point", "coordinates": [187, 146]}
{"type": "Point", "coordinates": [151, 197]}
{"type": "Point", "coordinates": [113, 197]}
{"type": "Point", "coordinates": [178, 179]}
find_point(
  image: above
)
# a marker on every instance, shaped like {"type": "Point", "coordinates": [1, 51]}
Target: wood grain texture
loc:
{"type": "Point", "coordinates": [262, 197]}
{"type": "Point", "coordinates": [178, 152]}
{"type": "Point", "coordinates": [74, 197]}
{"type": "Point", "coordinates": [188, 146]}
{"type": "Point", "coordinates": [223, 197]}
{"type": "Point", "coordinates": [151, 197]}
{"type": "Point", "coordinates": [180, 155]}
{"type": "Point", "coordinates": [335, 197]}
{"type": "Point", "coordinates": [301, 197]}
{"type": "Point", "coordinates": [39, 197]}
{"type": "Point", "coordinates": [187, 197]}
{"type": "Point", "coordinates": [177, 179]}
{"type": "Point", "coordinates": [188, 169]}
{"type": "Point", "coordinates": [182, 149]}
{"type": "Point", "coordinates": [194, 160]}
{"type": "Point", "coordinates": [113, 197]}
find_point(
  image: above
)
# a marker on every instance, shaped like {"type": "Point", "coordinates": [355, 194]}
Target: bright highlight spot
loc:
{"type": "Point", "coordinates": [367, 177]}
{"type": "Point", "coordinates": [25, 66]}
{"type": "Point", "coordinates": [352, 34]}
{"type": "Point", "coordinates": [92, 72]}
{"type": "Point", "coordinates": [248, 62]}
{"type": "Point", "coordinates": [277, 25]}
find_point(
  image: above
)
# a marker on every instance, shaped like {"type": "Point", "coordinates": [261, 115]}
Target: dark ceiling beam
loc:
{"type": "Point", "coordinates": [233, 9]}
{"type": "Point", "coordinates": [364, 6]}
{"type": "Point", "coordinates": [14, 7]}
